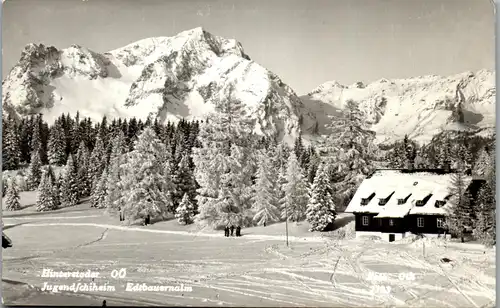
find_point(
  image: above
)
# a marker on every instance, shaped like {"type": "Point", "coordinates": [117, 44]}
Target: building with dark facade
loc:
{"type": "Point", "coordinates": [393, 203]}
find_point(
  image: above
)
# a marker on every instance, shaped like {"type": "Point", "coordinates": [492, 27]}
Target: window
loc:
{"type": "Point", "coordinates": [365, 221]}
{"type": "Point", "coordinates": [365, 201]}
{"type": "Point", "coordinates": [440, 203]}
{"type": "Point", "coordinates": [401, 201]}
{"type": "Point", "coordinates": [391, 222]}
{"type": "Point", "coordinates": [440, 222]}
{"type": "Point", "coordinates": [420, 222]}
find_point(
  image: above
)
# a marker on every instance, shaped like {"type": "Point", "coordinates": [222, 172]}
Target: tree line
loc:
{"type": "Point", "coordinates": [214, 172]}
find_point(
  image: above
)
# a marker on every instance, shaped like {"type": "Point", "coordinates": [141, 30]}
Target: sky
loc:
{"type": "Point", "coordinates": [305, 42]}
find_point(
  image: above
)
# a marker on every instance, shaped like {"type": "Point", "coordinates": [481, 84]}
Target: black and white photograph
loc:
{"type": "Point", "coordinates": [258, 153]}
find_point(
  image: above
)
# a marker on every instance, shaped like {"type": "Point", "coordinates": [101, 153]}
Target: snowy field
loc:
{"type": "Point", "coordinates": [256, 269]}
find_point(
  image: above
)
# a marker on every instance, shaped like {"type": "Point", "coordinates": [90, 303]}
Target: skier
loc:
{"type": "Point", "coordinates": [238, 231]}
{"type": "Point", "coordinates": [226, 231]}
{"type": "Point", "coordinates": [232, 230]}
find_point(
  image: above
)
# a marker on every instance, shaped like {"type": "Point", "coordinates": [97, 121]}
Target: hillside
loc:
{"type": "Point", "coordinates": [169, 77]}
{"type": "Point", "coordinates": [182, 76]}
{"type": "Point", "coordinates": [420, 107]}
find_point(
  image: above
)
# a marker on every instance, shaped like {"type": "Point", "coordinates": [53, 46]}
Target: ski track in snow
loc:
{"type": "Point", "coordinates": [136, 229]}
{"type": "Point", "coordinates": [263, 273]}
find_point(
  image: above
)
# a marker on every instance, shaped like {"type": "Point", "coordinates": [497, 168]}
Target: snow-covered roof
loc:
{"type": "Point", "coordinates": [416, 185]}
{"type": "Point", "coordinates": [430, 207]}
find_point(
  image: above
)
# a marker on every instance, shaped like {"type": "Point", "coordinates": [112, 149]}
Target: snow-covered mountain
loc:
{"type": "Point", "coordinates": [169, 77]}
{"type": "Point", "coordinates": [420, 107]}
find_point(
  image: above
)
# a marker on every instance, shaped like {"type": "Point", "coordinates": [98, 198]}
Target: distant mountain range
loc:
{"type": "Point", "coordinates": [180, 77]}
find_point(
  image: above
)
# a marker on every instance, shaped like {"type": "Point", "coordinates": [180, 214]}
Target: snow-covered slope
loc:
{"type": "Point", "coordinates": [169, 77]}
{"type": "Point", "coordinates": [420, 107]}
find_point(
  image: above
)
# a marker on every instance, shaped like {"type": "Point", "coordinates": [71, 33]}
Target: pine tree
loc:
{"type": "Point", "coordinates": [225, 164]}
{"type": "Point", "coordinates": [50, 173]}
{"type": "Point", "coordinates": [26, 131]}
{"type": "Point", "coordinates": [57, 145]}
{"type": "Point", "coordinates": [117, 158]}
{"type": "Point", "coordinates": [410, 152]}
{"type": "Point", "coordinates": [70, 186]}
{"type": "Point", "coordinates": [76, 134]}
{"type": "Point", "coordinates": [485, 226]}
{"type": "Point", "coordinates": [296, 191]}
{"type": "Point", "coordinates": [145, 183]}
{"type": "Point", "coordinates": [4, 186]}
{"type": "Point", "coordinates": [84, 177]}
{"type": "Point", "coordinates": [11, 150]}
{"type": "Point", "coordinates": [351, 146]}
{"type": "Point", "coordinates": [320, 209]}
{"type": "Point", "coordinates": [266, 202]}
{"type": "Point", "coordinates": [97, 161]}
{"type": "Point", "coordinates": [56, 192]}
{"type": "Point", "coordinates": [99, 195]}
{"type": "Point", "coordinates": [185, 211]}
{"type": "Point", "coordinates": [12, 198]}
{"type": "Point", "coordinates": [299, 146]}
{"type": "Point", "coordinates": [34, 171]}
{"type": "Point", "coordinates": [460, 214]}
{"type": "Point", "coordinates": [45, 198]}
{"type": "Point", "coordinates": [313, 165]}
{"type": "Point", "coordinates": [444, 158]}
{"type": "Point", "coordinates": [184, 182]}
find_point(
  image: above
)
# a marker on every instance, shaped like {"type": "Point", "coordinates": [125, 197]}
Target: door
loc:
{"type": "Point", "coordinates": [392, 237]}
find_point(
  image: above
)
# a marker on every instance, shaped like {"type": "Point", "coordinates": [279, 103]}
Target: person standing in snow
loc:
{"type": "Point", "coordinates": [226, 231]}
{"type": "Point", "coordinates": [232, 230]}
{"type": "Point", "coordinates": [238, 231]}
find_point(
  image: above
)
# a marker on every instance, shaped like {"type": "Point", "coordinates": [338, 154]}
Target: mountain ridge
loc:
{"type": "Point", "coordinates": [419, 107]}
{"type": "Point", "coordinates": [183, 75]}
{"type": "Point", "coordinates": [168, 77]}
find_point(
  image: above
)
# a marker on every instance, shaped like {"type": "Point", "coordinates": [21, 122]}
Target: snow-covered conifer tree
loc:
{"type": "Point", "coordinates": [57, 145]}
{"type": "Point", "coordinates": [185, 211]}
{"type": "Point", "coordinates": [444, 155]}
{"type": "Point", "coordinates": [145, 179]}
{"type": "Point", "coordinates": [296, 191]}
{"type": "Point", "coordinates": [11, 149]}
{"type": "Point", "coordinates": [266, 190]}
{"type": "Point", "coordinates": [117, 158]}
{"type": "Point", "coordinates": [12, 198]}
{"type": "Point", "coordinates": [184, 181]}
{"type": "Point", "coordinates": [320, 209]}
{"type": "Point", "coordinates": [84, 177]}
{"type": "Point", "coordinates": [70, 186]}
{"type": "Point", "coordinates": [351, 144]}
{"type": "Point", "coordinates": [485, 226]}
{"type": "Point", "coordinates": [225, 164]}
{"type": "Point", "coordinates": [34, 171]}
{"type": "Point", "coordinates": [461, 213]}
{"type": "Point", "coordinates": [45, 198]}
{"type": "Point", "coordinates": [4, 186]}
{"type": "Point", "coordinates": [99, 194]}
{"type": "Point", "coordinates": [97, 161]}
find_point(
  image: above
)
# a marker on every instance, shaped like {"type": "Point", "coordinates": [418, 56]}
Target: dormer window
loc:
{"type": "Point", "coordinates": [423, 201]}
{"type": "Point", "coordinates": [403, 200]}
{"type": "Point", "coordinates": [439, 203]}
{"type": "Point", "coordinates": [383, 201]}
{"type": "Point", "coordinates": [365, 201]}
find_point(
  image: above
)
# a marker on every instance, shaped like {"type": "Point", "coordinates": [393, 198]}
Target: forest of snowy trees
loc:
{"type": "Point", "coordinates": [217, 171]}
